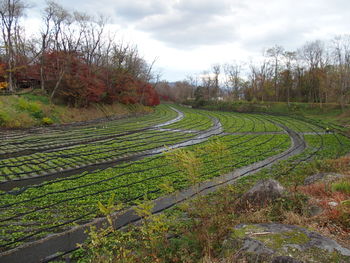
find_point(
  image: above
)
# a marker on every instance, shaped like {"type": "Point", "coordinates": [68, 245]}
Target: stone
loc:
{"type": "Point", "coordinates": [263, 192]}
{"type": "Point", "coordinates": [333, 204]}
{"type": "Point", "coordinates": [285, 259]}
{"type": "Point", "coordinates": [315, 210]}
{"type": "Point", "coordinates": [323, 177]}
{"type": "Point", "coordinates": [282, 243]}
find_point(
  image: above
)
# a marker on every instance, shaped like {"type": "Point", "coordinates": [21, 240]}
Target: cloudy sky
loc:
{"type": "Point", "coordinates": [189, 36]}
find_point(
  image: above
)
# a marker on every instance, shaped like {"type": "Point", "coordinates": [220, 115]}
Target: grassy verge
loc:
{"type": "Point", "coordinates": [29, 110]}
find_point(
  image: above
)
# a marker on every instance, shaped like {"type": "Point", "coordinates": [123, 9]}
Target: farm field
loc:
{"type": "Point", "coordinates": [51, 179]}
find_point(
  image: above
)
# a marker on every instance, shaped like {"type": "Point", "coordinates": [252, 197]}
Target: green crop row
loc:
{"type": "Point", "coordinates": [190, 117]}
{"type": "Point", "coordinates": [79, 134]}
{"type": "Point", "coordinates": [295, 124]}
{"type": "Point", "coordinates": [62, 201]}
{"type": "Point", "coordinates": [239, 122]}
{"type": "Point", "coordinates": [82, 155]}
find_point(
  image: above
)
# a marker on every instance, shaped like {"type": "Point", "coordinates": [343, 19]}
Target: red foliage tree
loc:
{"type": "Point", "coordinates": [69, 76]}
{"type": "Point", "coordinates": [148, 95]}
{"type": "Point", "coordinates": [127, 90]}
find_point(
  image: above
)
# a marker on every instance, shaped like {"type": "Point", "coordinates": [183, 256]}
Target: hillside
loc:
{"type": "Point", "coordinates": [34, 109]}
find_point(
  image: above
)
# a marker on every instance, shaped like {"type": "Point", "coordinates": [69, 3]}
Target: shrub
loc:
{"type": "Point", "coordinates": [46, 121]}
{"type": "Point", "coordinates": [4, 118]}
{"type": "Point", "coordinates": [33, 108]}
{"type": "Point", "coordinates": [187, 162]}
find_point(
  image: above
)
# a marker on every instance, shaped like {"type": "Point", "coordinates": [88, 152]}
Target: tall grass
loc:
{"type": "Point", "coordinates": [35, 109]}
{"type": "Point", "coordinates": [342, 186]}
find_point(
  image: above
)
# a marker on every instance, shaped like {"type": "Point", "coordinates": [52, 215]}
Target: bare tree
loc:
{"type": "Point", "coordinates": [275, 53]}
{"type": "Point", "coordinates": [206, 83]}
{"type": "Point", "coordinates": [216, 69]}
{"type": "Point", "coordinates": [46, 34]}
{"type": "Point", "coordinates": [148, 76]}
{"type": "Point", "coordinates": [260, 77]}
{"type": "Point", "coordinates": [59, 17]}
{"type": "Point", "coordinates": [232, 78]}
{"type": "Point", "coordinates": [10, 12]}
{"type": "Point", "coordinates": [93, 43]}
{"type": "Point", "coordinates": [182, 90]}
{"type": "Point", "coordinates": [289, 58]}
{"type": "Point", "coordinates": [341, 56]}
{"type": "Point", "coordinates": [55, 19]}
{"type": "Point", "coordinates": [313, 54]}
{"type": "Point", "coordinates": [193, 81]}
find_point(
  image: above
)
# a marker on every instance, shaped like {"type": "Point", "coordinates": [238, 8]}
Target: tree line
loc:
{"type": "Point", "coordinates": [72, 57]}
{"type": "Point", "coordinates": [318, 72]}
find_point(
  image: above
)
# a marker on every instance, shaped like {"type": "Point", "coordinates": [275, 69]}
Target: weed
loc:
{"type": "Point", "coordinates": [47, 121]}
{"type": "Point", "coordinates": [188, 162]}
{"type": "Point", "coordinates": [295, 203]}
{"type": "Point", "coordinates": [109, 209]}
{"type": "Point", "coordinates": [144, 243]}
{"type": "Point", "coordinates": [342, 186]}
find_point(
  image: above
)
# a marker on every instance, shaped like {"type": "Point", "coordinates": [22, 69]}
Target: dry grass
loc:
{"type": "Point", "coordinates": [292, 218]}
{"type": "Point", "coordinates": [318, 190]}
{"type": "Point", "coordinates": [221, 212]}
{"type": "Point", "coordinates": [334, 221]}
{"type": "Point", "coordinates": [341, 165]}
{"type": "Point", "coordinates": [68, 115]}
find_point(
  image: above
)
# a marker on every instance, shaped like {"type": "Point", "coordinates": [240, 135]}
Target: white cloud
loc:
{"type": "Point", "coordinates": [190, 35]}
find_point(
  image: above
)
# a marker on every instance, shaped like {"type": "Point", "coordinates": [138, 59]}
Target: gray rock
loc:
{"type": "Point", "coordinates": [263, 192]}
{"type": "Point", "coordinates": [324, 177]}
{"type": "Point", "coordinates": [283, 243]}
{"type": "Point", "coordinates": [315, 210]}
{"type": "Point", "coordinates": [285, 259]}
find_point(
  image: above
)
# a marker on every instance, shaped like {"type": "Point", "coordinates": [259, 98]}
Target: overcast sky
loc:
{"type": "Point", "coordinates": [189, 36]}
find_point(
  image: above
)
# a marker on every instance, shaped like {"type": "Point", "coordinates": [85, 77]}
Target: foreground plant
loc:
{"type": "Point", "coordinates": [136, 244]}
{"type": "Point", "coordinates": [188, 162]}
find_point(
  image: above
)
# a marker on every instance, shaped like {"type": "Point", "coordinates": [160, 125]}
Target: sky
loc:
{"type": "Point", "coordinates": [187, 37]}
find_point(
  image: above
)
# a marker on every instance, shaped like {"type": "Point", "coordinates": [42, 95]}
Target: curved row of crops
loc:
{"type": "Point", "coordinates": [34, 211]}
